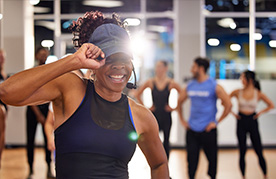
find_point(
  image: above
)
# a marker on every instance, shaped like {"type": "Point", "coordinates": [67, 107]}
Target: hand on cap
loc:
{"type": "Point", "coordinates": [87, 55]}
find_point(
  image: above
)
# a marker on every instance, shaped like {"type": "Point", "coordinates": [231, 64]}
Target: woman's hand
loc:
{"type": "Point", "coordinates": [51, 145]}
{"type": "Point", "coordinates": [152, 108]}
{"type": "Point", "coordinates": [256, 116]}
{"type": "Point", "coordinates": [211, 125]}
{"type": "Point", "coordinates": [168, 108]}
{"type": "Point", "coordinates": [237, 116]}
{"type": "Point", "coordinates": [87, 56]}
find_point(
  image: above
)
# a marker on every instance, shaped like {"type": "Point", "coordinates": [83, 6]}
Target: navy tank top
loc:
{"type": "Point", "coordinates": [160, 99]}
{"type": "Point", "coordinates": [93, 143]}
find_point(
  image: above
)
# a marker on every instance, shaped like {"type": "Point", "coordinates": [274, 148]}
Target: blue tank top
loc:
{"type": "Point", "coordinates": [85, 150]}
{"type": "Point", "coordinates": [203, 103]}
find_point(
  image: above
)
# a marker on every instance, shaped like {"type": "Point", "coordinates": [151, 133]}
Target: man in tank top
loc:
{"type": "Point", "coordinates": [201, 126]}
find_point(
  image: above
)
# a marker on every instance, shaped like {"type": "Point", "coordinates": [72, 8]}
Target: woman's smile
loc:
{"type": "Point", "coordinates": [117, 78]}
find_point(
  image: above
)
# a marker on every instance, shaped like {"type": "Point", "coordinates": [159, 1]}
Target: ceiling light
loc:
{"type": "Point", "coordinates": [132, 21]}
{"type": "Point", "coordinates": [235, 47]}
{"type": "Point", "coordinates": [272, 43]}
{"type": "Point", "coordinates": [213, 42]}
{"type": "Point", "coordinates": [47, 43]}
{"type": "Point", "coordinates": [103, 3]}
{"type": "Point", "coordinates": [258, 36]}
{"type": "Point", "coordinates": [34, 2]}
{"type": "Point", "coordinates": [235, 2]}
{"type": "Point", "coordinates": [225, 22]}
{"type": "Point", "coordinates": [1, 16]}
{"type": "Point", "coordinates": [233, 25]}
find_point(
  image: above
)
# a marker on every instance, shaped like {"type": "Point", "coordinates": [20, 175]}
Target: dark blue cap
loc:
{"type": "Point", "coordinates": [111, 39]}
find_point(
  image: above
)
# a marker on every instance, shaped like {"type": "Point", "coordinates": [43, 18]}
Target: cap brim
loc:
{"type": "Point", "coordinates": [117, 49]}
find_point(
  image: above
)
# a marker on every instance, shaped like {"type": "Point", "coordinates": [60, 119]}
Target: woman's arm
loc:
{"type": "Point", "coordinates": [149, 141]}
{"type": "Point", "coordinates": [32, 86]}
{"type": "Point", "coordinates": [49, 129]}
{"type": "Point", "coordinates": [234, 94]}
{"type": "Point", "coordinates": [268, 102]}
{"type": "Point", "coordinates": [173, 85]}
{"type": "Point", "coordinates": [141, 89]}
{"type": "Point", "coordinates": [225, 100]}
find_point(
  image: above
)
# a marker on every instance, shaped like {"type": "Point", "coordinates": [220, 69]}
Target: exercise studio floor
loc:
{"type": "Point", "coordinates": [14, 165]}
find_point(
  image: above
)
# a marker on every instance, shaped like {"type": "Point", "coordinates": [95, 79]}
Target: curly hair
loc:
{"type": "Point", "coordinates": [83, 28]}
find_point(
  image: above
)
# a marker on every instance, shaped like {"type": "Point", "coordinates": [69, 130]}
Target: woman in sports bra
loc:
{"type": "Point", "coordinates": [161, 86]}
{"type": "Point", "coordinates": [247, 118]}
{"type": "Point", "coordinates": [97, 127]}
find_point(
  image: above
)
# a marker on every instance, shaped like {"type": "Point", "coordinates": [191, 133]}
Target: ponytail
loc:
{"type": "Point", "coordinates": [257, 85]}
{"type": "Point", "coordinates": [250, 75]}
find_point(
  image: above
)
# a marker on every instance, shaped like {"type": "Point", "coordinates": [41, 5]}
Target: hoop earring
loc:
{"type": "Point", "coordinates": [76, 39]}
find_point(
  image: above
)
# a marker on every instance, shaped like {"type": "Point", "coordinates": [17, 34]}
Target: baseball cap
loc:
{"type": "Point", "coordinates": [111, 39]}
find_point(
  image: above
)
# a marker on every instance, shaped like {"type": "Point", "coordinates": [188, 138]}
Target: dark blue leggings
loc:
{"type": "Point", "coordinates": [249, 125]}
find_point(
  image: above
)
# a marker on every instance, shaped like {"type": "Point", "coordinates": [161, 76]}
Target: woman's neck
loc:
{"type": "Point", "coordinates": [161, 77]}
{"type": "Point", "coordinates": [249, 87]}
{"type": "Point", "coordinates": [106, 93]}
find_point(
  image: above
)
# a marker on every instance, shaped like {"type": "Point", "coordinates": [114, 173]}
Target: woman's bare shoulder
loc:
{"type": "Point", "coordinates": [143, 118]}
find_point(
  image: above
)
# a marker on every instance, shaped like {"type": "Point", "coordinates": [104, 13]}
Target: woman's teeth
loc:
{"type": "Point", "coordinates": [117, 76]}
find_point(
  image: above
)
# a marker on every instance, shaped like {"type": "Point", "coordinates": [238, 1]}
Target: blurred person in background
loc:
{"type": "Point", "coordinates": [37, 114]}
{"type": "Point", "coordinates": [247, 118]}
{"type": "Point", "coordinates": [202, 124]}
{"type": "Point", "coordinates": [3, 106]}
{"type": "Point", "coordinates": [161, 86]}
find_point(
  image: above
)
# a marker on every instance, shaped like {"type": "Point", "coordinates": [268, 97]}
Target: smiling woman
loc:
{"type": "Point", "coordinates": [93, 119]}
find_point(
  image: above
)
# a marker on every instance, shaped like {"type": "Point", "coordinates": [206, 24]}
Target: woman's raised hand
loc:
{"type": "Point", "coordinates": [87, 56]}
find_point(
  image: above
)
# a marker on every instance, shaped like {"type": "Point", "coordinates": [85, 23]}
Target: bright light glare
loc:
{"type": "Point", "coordinates": [258, 36]}
{"type": "Point", "coordinates": [213, 42]}
{"type": "Point", "coordinates": [139, 44]}
{"type": "Point", "coordinates": [1, 16]}
{"type": "Point", "coordinates": [51, 58]}
{"type": "Point", "coordinates": [34, 2]}
{"type": "Point", "coordinates": [132, 21]}
{"type": "Point", "coordinates": [235, 47]}
{"type": "Point", "coordinates": [233, 25]}
{"type": "Point", "coordinates": [47, 43]}
{"type": "Point", "coordinates": [272, 43]}
{"type": "Point", "coordinates": [103, 3]}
